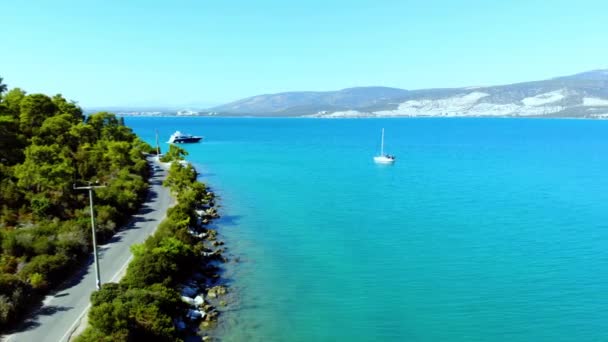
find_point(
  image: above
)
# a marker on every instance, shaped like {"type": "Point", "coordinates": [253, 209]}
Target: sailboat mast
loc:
{"type": "Point", "coordinates": [382, 144]}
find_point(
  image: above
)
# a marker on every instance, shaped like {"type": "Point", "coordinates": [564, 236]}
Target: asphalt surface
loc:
{"type": "Point", "coordinates": [62, 312]}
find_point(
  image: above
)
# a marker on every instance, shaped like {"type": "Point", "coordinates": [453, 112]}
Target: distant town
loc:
{"type": "Point", "coordinates": [186, 112]}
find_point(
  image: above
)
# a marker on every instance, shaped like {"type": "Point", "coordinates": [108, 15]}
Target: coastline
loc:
{"type": "Point", "coordinates": [314, 117]}
{"type": "Point", "coordinates": [204, 289]}
{"type": "Point", "coordinates": [191, 291]}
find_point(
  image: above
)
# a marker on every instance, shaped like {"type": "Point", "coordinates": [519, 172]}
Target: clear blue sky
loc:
{"type": "Point", "coordinates": [208, 52]}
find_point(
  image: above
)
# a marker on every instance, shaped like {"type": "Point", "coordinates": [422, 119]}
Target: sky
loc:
{"type": "Point", "coordinates": [204, 53]}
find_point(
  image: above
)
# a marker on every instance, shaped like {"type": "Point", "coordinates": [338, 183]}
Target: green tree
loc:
{"type": "Point", "coordinates": [160, 264]}
{"type": "Point", "coordinates": [34, 109]}
{"type": "Point", "coordinates": [56, 129]}
{"type": "Point", "coordinates": [101, 120]}
{"type": "Point", "coordinates": [12, 101]}
{"type": "Point", "coordinates": [6, 309]}
{"type": "Point", "coordinates": [107, 293]}
{"type": "Point", "coordinates": [175, 153]}
{"type": "Point", "coordinates": [45, 168]}
{"type": "Point", "coordinates": [73, 238]}
{"type": "Point", "coordinates": [70, 108]}
{"type": "Point", "coordinates": [41, 206]}
{"type": "Point", "coordinates": [180, 177]}
{"type": "Point", "coordinates": [46, 177]}
{"type": "Point", "coordinates": [51, 267]}
{"type": "Point", "coordinates": [84, 133]}
{"type": "Point", "coordinates": [108, 317]}
{"type": "Point", "coordinates": [37, 281]}
{"type": "Point", "coordinates": [45, 146]}
{"type": "Point", "coordinates": [95, 335]}
{"type": "Point", "coordinates": [118, 154]}
{"type": "Point", "coordinates": [14, 295]}
{"type": "Point", "coordinates": [88, 161]}
{"type": "Point", "coordinates": [138, 314]}
{"type": "Point", "coordinates": [109, 127]}
{"type": "Point", "coordinates": [3, 87]}
{"type": "Point", "coordinates": [11, 142]}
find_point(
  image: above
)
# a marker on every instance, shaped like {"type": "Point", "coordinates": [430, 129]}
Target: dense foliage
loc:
{"type": "Point", "coordinates": [46, 146]}
{"type": "Point", "coordinates": [142, 305]}
{"type": "Point", "coordinates": [174, 153]}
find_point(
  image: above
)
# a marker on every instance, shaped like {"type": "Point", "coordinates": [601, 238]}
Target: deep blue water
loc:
{"type": "Point", "coordinates": [483, 230]}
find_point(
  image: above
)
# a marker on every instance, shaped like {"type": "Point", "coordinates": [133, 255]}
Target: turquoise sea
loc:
{"type": "Point", "coordinates": [483, 230]}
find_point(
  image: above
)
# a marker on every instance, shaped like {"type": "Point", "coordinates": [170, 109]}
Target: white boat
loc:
{"type": "Point", "coordinates": [383, 158]}
{"type": "Point", "coordinates": [181, 138]}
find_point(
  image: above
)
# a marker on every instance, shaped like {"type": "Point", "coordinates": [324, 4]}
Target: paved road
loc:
{"type": "Point", "coordinates": [60, 314]}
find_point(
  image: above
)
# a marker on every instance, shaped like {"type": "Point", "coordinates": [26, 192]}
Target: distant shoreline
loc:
{"type": "Point", "coordinates": [365, 117]}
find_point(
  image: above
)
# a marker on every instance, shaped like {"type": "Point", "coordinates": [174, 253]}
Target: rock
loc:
{"type": "Point", "coordinates": [217, 291]}
{"type": "Point", "coordinates": [223, 303]}
{"type": "Point", "coordinates": [214, 254]}
{"type": "Point", "coordinates": [207, 338]}
{"type": "Point", "coordinates": [218, 243]}
{"type": "Point", "coordinates": [197, 234]}
{"type": "Point", "coordinates": [198, 300]}
{"type": "Point", "coordinates": [188, 291]}
{"type": "Point", "coordinates": [212, 316]}
{"type": "Point", "coordinates": [212, 212]}
{"type": "Point", "coordinates": [195, 314]}
{"type": "Point", "coordinates": [187, 300]}
{"type": "Point", "coordinates": [181, 325]}
{"type": "Point", "coordinates": [207, 324]}
{"type": "Point", "coordinates": [211, 269]}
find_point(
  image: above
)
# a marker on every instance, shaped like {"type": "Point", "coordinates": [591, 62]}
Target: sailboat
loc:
{"type": "Point", "coordinates": [383, 158]}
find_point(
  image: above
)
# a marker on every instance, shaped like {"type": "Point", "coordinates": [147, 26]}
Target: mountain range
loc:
{"type": "Point", "coordinates": [581, 95]}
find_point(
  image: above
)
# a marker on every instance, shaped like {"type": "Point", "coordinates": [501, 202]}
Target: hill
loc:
{"type": "Point", "coordinates": [581, 95]}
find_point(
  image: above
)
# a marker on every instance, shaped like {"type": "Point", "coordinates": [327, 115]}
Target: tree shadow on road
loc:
{"type": "Point", "coordinates": [38, 311]}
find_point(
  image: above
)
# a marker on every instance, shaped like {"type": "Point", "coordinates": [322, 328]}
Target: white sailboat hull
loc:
{"type": "Point", "coordinates": [383, 160]}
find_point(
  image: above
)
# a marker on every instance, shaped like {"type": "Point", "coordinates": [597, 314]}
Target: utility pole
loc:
{"type": "Point", "coordinates": [157, 146]}
{"type": "Point", "coordinates": [90, 188]}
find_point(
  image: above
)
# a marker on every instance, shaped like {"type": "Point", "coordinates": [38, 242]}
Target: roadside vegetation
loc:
{"type": "Point", "coordinates": [46, 146]}
{"type": "Point", "coordinates": [144, 305]}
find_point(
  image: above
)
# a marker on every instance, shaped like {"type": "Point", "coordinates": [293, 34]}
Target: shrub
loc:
{"type": "Point", "coordinates": [50, 267]}
{"type": "Point", "coordinates": [37, 281]}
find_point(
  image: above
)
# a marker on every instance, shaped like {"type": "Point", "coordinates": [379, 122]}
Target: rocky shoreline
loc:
{"type": "Point", "coordinates": [172, 289]}
{"type": "Point", "coordinates": [204, 291]}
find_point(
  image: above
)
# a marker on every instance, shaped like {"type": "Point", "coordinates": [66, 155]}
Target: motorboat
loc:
{"type": "Point", "coordinates": [182, 138]}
